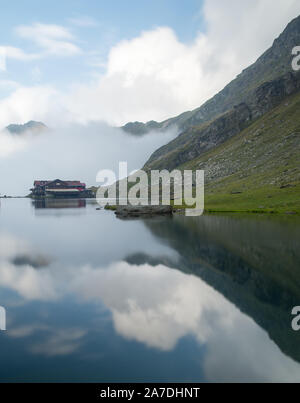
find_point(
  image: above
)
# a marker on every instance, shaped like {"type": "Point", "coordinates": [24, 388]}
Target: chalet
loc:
{"type": "Point", "coordinates": [58, 188]}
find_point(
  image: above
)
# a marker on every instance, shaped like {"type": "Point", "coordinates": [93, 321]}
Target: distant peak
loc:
{"type": "Point", "coordinates": [22, 128]}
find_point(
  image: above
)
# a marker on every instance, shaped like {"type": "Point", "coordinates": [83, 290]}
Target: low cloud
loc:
{"type": "Point", "coordinates": [71, 152]}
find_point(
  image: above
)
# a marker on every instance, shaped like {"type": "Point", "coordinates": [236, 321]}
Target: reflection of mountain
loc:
{"type": "Point", "coordinates": [253, 263]}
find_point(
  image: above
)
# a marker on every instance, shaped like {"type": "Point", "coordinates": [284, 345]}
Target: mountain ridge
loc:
{"type": "Point", "coordinates": [22, 128]}
{"type": "Point", "coordinates": [198, 139]}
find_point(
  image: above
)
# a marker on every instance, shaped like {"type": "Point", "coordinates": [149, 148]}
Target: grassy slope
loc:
{"type": "Point", "coordinates": [256, 162]}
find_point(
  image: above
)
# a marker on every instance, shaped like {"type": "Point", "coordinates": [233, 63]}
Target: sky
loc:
{"type": "Point", "coordinates": [89, 66]}
{"type": "Point", "coordinates": [91, 60]}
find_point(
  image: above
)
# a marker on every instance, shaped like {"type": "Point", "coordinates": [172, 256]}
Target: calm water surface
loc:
{"type": "Point", "coordinates": [90, 297]}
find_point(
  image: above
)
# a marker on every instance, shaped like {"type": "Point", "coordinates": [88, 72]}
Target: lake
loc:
{"type": "Point", "coordinates": [90, 297]}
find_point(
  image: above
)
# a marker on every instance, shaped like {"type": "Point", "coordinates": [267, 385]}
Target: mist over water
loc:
{"type": "Point", "coordinates": [75, 152]}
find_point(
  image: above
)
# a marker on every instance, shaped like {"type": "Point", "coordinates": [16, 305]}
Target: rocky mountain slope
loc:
{"type": "Point", "coordinates": [197, 140]}
{"type": "Point", "coordinates": [257, 169]}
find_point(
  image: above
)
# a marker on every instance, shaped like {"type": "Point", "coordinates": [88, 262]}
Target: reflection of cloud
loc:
{"type": "Point", "coordinates": [27, 281]}
{"type": "Point", "coordinates": [25, 330]}
{"type": "Point", "coordinates": [10, 246]}
{"type": "Point", "coordinates": [17, 270]}
{"type": "Point", "coordinates": [156, 306]}
{"type": "Point", "coordinates": [60, 342]}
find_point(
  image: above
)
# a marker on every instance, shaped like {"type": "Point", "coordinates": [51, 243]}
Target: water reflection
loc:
{"type": "Point", "coordinates": [187, 299]}
{"type": "Point", "coordinates": [58, 203]}
{"type": "Point", "coordinates": [255, 263]}
{"type": "Point", "coordinates": [59, 207]}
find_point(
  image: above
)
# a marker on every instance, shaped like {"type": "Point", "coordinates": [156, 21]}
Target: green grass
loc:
{"type": "Point", "coordinates": [110, 207]}
{"type": "Point", "coordinates": [262, 200]}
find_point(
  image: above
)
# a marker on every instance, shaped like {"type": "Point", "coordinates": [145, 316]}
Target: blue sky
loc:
{"type": "Point", "coordinates": [106, 24]}
{"type": "Point", "coordinates": [128, 17]}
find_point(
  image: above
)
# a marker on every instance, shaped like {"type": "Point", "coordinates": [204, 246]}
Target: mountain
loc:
{"type": "Point", "coordinates": [275, 62]}
{"type": "Point", "coordinates": [247, 137]}
{"type": "Point", "coordinates": [245, 267]}
{"type": "Point", "coordinates": [139, 128]}
{"type": "Point", "coordinates": [258, 168]}
{"type": "Point", "coordinates": [196, 140]}
{"type": "Point", "coordinates": [31, 125]}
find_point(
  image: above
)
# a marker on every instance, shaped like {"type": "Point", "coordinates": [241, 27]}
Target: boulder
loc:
{"type": "Point", "coordinates": [142, 211]}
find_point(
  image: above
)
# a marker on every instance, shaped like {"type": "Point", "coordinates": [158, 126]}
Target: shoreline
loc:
{"type": "Point", "coordinates": [222, 210]}
{"type": "Point", "coordinates": [180, 209]}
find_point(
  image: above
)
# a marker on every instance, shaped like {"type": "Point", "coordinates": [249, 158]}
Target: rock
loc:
{"type": "Point", "coordinates": [179, 211]}
{"type": "Point", "coordinates": [142, 211]}
{"type": "Point", "coordinates": [287, 186]}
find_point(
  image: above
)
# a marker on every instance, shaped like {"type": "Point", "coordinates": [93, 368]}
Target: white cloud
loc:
{"type": "Point", "coordinates": [9, 84]}
{"type": "Point", "coordinates": [36, 74]}
{"type": "Point", "coordinates": [29, 103]}
{"type": "Point", "coordinates": [53, 39]}
{"type": "Point", "coordinates": [11, 52]}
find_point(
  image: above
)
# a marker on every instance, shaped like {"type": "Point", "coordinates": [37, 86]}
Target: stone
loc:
{"type": "Point", "coordinates": [142, 211]}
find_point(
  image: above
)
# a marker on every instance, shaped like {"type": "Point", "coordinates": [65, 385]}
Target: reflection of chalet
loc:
{"type": "Point", "coordinates": [58, 203]}
{"type": "Point", "coordinates": [58, 188]}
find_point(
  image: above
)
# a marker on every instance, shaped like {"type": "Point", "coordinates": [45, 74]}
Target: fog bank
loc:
{"type": "Point", "coordinates": [76, 153]}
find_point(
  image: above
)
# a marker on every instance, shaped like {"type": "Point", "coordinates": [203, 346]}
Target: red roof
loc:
{"type": "Point", "coordinates": [41, 183]}
{"type": "Point", "coordinates": [68, 183]}
{"type": "Point", "coordinates": [74, 183]}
